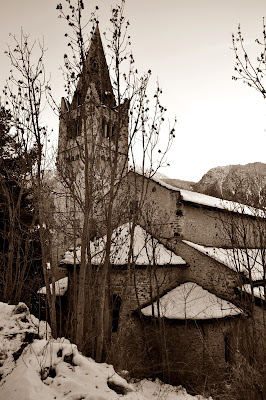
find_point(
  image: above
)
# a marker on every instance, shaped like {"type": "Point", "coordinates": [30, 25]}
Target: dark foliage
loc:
{"type": "Point", "coordinates": [20, 255]}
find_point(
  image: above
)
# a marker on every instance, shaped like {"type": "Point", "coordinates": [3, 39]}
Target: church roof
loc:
{"type": "Point", "coordinates": [190, 301]}
{"type": "Point", "coordinates": [246, 261]}
{"type": "Point", "coordinates": [146, 249]}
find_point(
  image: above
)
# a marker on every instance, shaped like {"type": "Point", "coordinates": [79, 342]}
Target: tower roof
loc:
{"type": "Point", "coordinates": [96, 70]}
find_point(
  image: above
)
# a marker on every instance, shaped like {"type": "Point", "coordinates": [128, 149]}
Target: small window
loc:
{"type": "Point", "coordinates": [95, 65]}
{"type": "Point", "coordinates": [116, 303]}
{"type": "Point", "coordinates": [106, 129]}
{"type": "Point", "coordinates": [78, 97]}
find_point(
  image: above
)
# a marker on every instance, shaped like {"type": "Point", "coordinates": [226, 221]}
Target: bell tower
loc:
{"type": "Point", "coordinates": [93, 142]}
{"type": "Point", "coordinates": [93, 115]}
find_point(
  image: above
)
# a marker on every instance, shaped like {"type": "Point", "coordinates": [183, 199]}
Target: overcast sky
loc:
{"type": "Point", "coordinates": [186, 44]}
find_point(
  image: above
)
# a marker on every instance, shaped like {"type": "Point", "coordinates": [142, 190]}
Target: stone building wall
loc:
{"type": "Point", "coordinates": [144, 285]}
{"type": "Point", "coordinates": [198, 352]}
{"type": "Point", "coordinates": [162, 210]}
{"type": "Point", "coordinates": [207, 272]}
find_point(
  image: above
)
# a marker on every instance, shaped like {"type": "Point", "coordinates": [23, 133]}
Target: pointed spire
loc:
{"type": "Point", "coordinates": [97, 70]}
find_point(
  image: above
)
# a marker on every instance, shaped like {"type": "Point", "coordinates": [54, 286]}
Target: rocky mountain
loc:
{"type": "Point", "coordinates": [244, 183]}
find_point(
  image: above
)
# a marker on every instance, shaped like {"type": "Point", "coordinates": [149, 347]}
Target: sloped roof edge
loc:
{"type": "Point", "coordinates": [190, 301]}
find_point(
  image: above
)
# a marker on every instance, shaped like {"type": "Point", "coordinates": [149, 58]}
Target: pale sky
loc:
{"type": "Point", "coordinates": [186, 44]}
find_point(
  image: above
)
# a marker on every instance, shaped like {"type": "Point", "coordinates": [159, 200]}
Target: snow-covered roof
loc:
{"type": "Point", "coordinates": [191, 301]}
{"type": "Point", "coordinates": [60, 287]}
{"type": "Point", "coordinates": [247, 261]}
{"type": "Point", "coordinates": [145, 250]}
{"type": "Point", "coordinates": [257, 290]}
{"type": "Point", "coordinates": [210, 201]}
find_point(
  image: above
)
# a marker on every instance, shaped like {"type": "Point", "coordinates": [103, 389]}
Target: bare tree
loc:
{"type": "Point", "coordinates": [248, 68]}
{"type": "Point", "coordinates": [25, 93]}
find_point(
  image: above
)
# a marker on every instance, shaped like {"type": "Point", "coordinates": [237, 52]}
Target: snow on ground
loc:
{"type": "Point", "coordinates": [247, 261]}
{"type": "Point", "coordinates": [191, 301]}
{"type": "Point", "coordinates": [156, 390]}
{"type": "Point", "coordinates": [35, 366]}
{"type": "Point", "coordinates": [145, 248]}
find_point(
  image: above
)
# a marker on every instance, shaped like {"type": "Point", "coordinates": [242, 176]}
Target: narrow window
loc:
{"type": "Point", "coordinates": [78, 95]}
{"type": "Point", "coordinates": [78, 126]}
{"type": "Point", "coordinates": [103, 128]}
{"type": "Point", "coordinates": [116, 302]}
{"type": "Point", "coordinates": [107, 131]}
{"type": "Point", "coordinates": [227, 349]}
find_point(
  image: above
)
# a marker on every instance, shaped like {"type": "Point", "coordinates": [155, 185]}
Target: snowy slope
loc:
{"type": "Point", "coordinates": [35, 366]}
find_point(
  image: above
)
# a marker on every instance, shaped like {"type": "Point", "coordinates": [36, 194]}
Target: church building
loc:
{"type": "Point", "coordinates": [186, 269]}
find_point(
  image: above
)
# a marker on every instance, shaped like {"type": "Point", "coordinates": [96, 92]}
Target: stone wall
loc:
{"type": "Point", "coordinates": [196, 354]}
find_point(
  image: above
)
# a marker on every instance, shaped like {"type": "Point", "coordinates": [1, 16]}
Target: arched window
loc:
{"type": "Point", "coordinates": [116, 305]}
